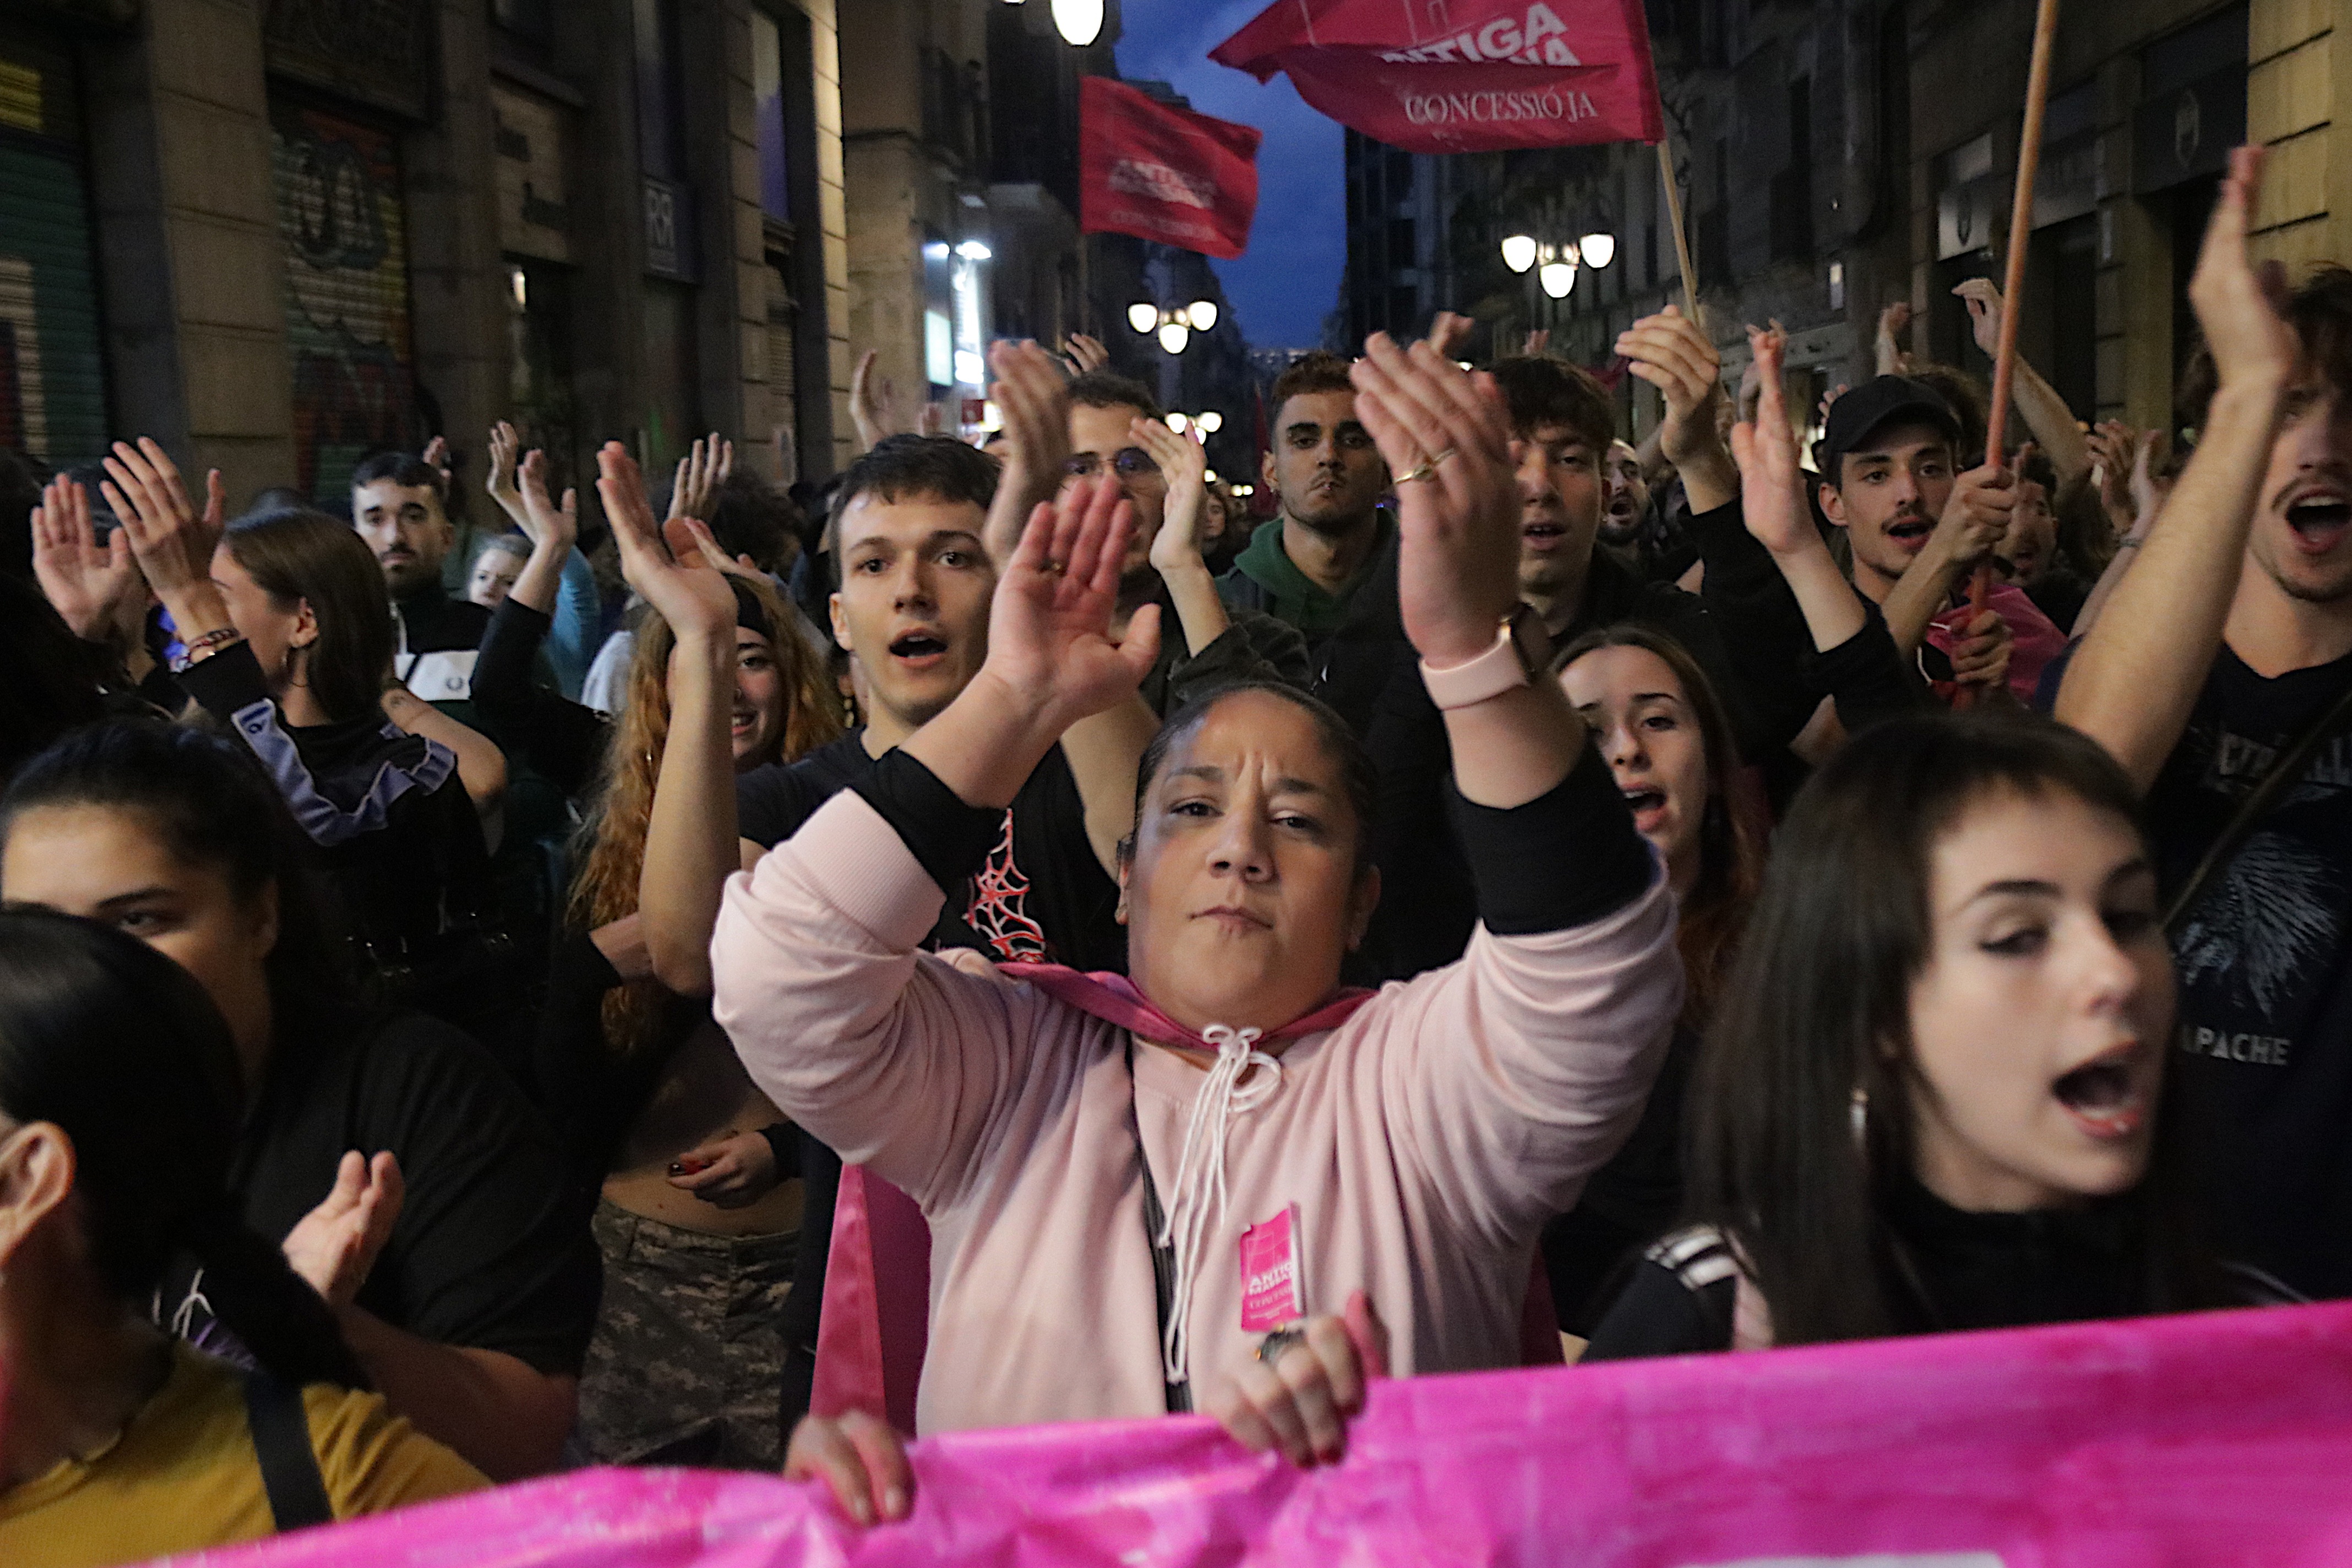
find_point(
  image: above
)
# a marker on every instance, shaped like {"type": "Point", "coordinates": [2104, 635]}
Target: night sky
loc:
{"type": "Point", "coordinates": [1289, 277]}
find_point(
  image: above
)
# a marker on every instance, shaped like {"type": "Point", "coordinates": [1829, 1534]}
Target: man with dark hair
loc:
{"type": "Point", "coordinates": [399, 509]}
{"type": "Point", "coordinates": [1117, 429]}
{"type": "Point", "coordinates": [1305, 565]}
{"type": "Point", "coordinates": [2219, 674]}
{"type": "Point", "coordinates": [1889, 456]}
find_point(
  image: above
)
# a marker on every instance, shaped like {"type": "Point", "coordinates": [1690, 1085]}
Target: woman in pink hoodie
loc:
{"type": "Point", "coordinates": [1199, 1177]}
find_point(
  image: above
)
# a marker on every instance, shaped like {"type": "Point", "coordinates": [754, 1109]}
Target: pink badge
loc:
{"type": "Point", "coordinates": [1272, 1292]}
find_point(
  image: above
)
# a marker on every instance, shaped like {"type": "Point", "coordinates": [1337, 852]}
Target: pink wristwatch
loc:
{"type": "Point", "coordinates": [1520, 647]}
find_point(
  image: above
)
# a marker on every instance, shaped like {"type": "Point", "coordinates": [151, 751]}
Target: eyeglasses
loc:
{"type": "Point", "coordinates": [1127, 463]}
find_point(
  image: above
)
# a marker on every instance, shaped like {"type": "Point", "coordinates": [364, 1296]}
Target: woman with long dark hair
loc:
{"type": "Point", "coordinates": [471, 1301]}
{"type": "Point", "coordinates": [119, 1106]}
{"type": "Point", "coordinates": [1669, 744]}
{"type": "Point", "coordinates": [1931, 1098]}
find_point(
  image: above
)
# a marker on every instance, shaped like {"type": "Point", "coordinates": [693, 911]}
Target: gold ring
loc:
{"type": "Point", "coordinates": [1427, 468]}
{"type": "Point", "coordinates": [1052, 568]}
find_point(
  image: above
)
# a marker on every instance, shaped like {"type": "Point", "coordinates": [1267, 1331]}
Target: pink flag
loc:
{"type": "Point", "coordinates": [1463, 76]}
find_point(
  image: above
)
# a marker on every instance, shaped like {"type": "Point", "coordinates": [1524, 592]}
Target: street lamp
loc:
{"type": "Point", "coordinates": [974, 250]}
{"type": "Point", "coordinates": [1178, 423]}
{"type": "Point", "coordinates": [1202, 314]}
{"type": "Point", "coordinates": [1175, 327]}
{"type": "Point", "coordinates": [1211, 421]}
{"type": "Point", "coordinates": [1173, 335]}
{"type": "Point", "coordinates": [1143, 317]}
{"type": "Point", "coordinates": [1557, 278]}
{"type": "Point", "coordinates": [1078, 21]}
{"type": "Point", "coordinates": [1519, 252]}
{"type": "Point", "coordinates": [1597, 249]}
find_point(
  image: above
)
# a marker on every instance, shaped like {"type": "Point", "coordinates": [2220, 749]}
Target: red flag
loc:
{"type": "Point", "coordinates": [1463, 76]}
{"type": "Point", "coordinates": [1155, 172]}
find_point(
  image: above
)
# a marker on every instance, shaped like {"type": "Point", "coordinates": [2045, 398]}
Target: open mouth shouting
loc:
{"type": "Point", "coordinates": [1649, 806]}
{"type": "Point", "coordinates": [919, 648]}
{"type": "Point", "coordinates": [2109, 1097]}
{"type": "Point", "coordinates": [1542, 533]}
{"type": "Point", "coordinates": [2319, 519]}
{"type": "Point", "coordinates": [1909, 532]}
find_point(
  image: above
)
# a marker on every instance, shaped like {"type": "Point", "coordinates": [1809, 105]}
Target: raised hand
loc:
{"type": "Point", "coordinates": [2114, 448]}
{"type": "Point", "coordinates": [95, 588]}
{"type": "Point", "coordinates": [1670, 352]}
{"type": "Point", "coordinates": [1892, 360]}
{"type": "Point", "coordinates": [1049, 625]}
{"type": "Point", "coordinates": [1303, 1402]}
{"type": "Point", "coordinates": [1446, 435]}
{"type": "Point", "coordinates": [1447, 332]}
{"type": "Point", "coordinates": [172, 541]}
{"type": "Point", "coordinates": [1185, 466]}
{"type": "Point", "coordinates": [874, 405]}
{"type": "Point", "coordinates": [731, 1172]}
{"type": "Point", "coordinates": [335, 1245]}
{"type": "Point", "coordinates": [664, 564]}
{"type": "Point", "coordinates": [699, 474]}
{"type": "Point", "coordinates": [1536, 343]}
{"type": "Point", "coordinates": [1034, 400]}
{"type": "Point", "coordinates": [542, 520]}
{"type": "Point", "coordinates": [1983, 297]}
{"type": "Point", "coordinates": [1086, 354]}
{"type": "Point", "coordinates": [1771, 484]}
{"type": "Point", "coordinates": [500, 486]}
{"type": "Point", "coordinates": [436, 457]}
{"type": "Point", "coordinates": [2240, 306]}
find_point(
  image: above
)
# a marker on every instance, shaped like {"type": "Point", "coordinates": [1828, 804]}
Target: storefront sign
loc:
{"type": "Point", "coordinates": [533, 143]}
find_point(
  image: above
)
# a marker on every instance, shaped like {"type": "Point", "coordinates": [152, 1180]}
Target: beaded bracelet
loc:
{"type": "Point", "coordinates": [205, 646]}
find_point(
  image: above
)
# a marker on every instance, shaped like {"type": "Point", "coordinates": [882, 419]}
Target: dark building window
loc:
{"type": "Point", "coordinates": [1793, 188]}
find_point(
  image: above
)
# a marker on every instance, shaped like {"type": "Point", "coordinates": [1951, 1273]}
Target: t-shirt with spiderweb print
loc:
{"type": "Point", "coordinates": [1041, 897]}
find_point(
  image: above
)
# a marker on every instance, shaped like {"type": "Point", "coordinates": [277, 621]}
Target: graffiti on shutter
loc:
{"type": "Point", "coordinates": [341, 221]}
{"type": "Point", "coordinates": [52, 357]}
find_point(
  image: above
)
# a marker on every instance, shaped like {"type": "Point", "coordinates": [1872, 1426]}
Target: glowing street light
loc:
{"type": "Point", "coordinates": [974, 250]}
{"type": "Point", "coordinates": [1597, 249]}
{"type": "Point", "coordinates": [1173, 335]}
{"type": "Point", "coordinates": [1178, 423]}
{"type": "Point", "coordinates": [1519, 252]}
{"type": "Point", "coordinates": [1078, 21]}
{"type": "Point", "coordinates": [1143, 317]}
{"type": "Point", "coordinates": [1558, 277]}
{"type": "Point", "coordinates": [1211, 421]}
{"type": "Point", "coordinates": [1202, 314]}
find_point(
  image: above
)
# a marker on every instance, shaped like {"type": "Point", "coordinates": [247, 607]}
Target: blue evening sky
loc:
{"type": "Point", "coordinates": [1289, 277]}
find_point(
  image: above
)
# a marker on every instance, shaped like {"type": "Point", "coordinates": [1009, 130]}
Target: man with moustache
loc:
{"type": "Point", "coordinates": [400, 510]}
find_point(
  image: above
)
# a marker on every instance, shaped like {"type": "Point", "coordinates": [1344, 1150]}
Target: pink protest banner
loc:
{"type": "Point", "coordinates": [2219, 1439]}
{"type": "Point", "coordinates": [1463, 76]}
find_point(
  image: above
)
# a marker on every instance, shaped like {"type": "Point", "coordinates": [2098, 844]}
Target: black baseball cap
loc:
{"type": "Point", "coordinates": [1854, 418]}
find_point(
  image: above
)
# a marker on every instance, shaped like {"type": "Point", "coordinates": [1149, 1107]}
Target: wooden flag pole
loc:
{"type": "Point", "coordinates": [2021, 229]}
{"type": "Point", "coordinates": [1682, 238]}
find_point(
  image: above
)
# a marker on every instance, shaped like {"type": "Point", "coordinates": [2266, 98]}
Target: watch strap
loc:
{"type": "Point", "coordinates": [1502, 668]}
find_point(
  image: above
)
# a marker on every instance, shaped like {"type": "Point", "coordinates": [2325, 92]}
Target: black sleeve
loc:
{"type": "Point", "coordinates": [1658, 1314]}
{"type": "Point", "coordinates": [572, 1075]}
{"type": "Point", "coordinates": [491, 1250]}
{"type": "Point", "coordinates": [771, 803]}
{"type": "Point", "coordinates": [563, 740]}
{"type": "Point", "coordinates": [783, 1148]}
{"type": "Point", "coordinates": [1762, 631]}
{"type": "Point", "coordinates": [226, 683]}
{"type": "Point", "coordinates": [1565, 858]}
{"type": "Point", "coordinates": [950, 838]}
{"type": "Point", "coordinates": [1865, 676]}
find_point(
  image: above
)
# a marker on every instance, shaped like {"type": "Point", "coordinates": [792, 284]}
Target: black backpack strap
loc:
{"type": "Point", "coordinates": [281, 1441]}
{"type": "Point", "coordinates": [1163, 1258]}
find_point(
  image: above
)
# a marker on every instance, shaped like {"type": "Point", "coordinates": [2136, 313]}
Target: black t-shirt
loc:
{"type": "Point", "coordinates": [1041, 898]}
{"type": "Point", "coordinates": [490, 1251]}
{"type": "Point", "coordinates": [2265, 1028]}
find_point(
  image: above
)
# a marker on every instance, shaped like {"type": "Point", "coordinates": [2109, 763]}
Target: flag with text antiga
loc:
{"type": "Point", "coordinates": [1156, 172]}
{"type": "Point", "coordinates": [1463, 76]}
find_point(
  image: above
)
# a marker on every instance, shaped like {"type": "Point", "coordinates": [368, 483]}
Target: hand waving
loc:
{"type": "Point", "coordinates": [94, 587]}
{"type": "Point", "coordinates": [1034, 400]}
{"type": "Point", "coordinates": [336, 1245]}
{"type": "Point", "coordinates": [1458, 567]}
{"type": "Point", "coordinates": [1772, 485]}
{"type": "Point", "coordinates": [699, 474]}
{"type": "Point", "coordinates": [1086, 354]}
{"type": "Point", "coordinates": [1049, 625]}
{"type": "Point", "coordinates": [2238, 305]}
{"type": "Point", "coordinates": [500, 486]}
{"type": "Point", "coordinates": [1185, 466]}
{"type": "Point", "coordinates": [557, 527]}
{"type": "Point", "coordinates": [666, 564]}
{"type": "Point", "coordinates": [173, 542]}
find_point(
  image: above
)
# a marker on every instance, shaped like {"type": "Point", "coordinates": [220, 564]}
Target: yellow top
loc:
{"type": "Point", "coordinates": [183, 1474]}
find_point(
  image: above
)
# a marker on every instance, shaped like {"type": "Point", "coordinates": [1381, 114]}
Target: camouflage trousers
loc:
{"type": "Point", "coordinates": [685, 1362]}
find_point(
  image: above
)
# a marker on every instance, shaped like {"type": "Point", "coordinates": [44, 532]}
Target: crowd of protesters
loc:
{"type": "Point", "coordinates": [1531, 897]}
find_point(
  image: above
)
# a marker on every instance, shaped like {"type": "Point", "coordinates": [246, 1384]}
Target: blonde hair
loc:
{"type": "Point", "coordinates": [605, 888]}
